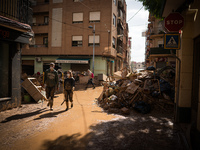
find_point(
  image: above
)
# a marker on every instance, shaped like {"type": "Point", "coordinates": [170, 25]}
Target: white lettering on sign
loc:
{"type": "Point", "coordinates": [170, 22]}
{"type": "Point", "coordinates": [73, 61]}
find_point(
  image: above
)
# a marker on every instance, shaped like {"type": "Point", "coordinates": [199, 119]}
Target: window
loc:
{"type": "Point", "coordinates": [34, 21]}
{"type": "Point", "coordinates": [77, 41]}
{"type": "Point", "coordinates": [46, 19]}
{"type": "Point", "coordinates": [45, 41]}
{"type": "Point", "coordinates": [160, 44]}
{"type": "Point", "coordinates": [96, 40]}
{"type": "Point", "coordinates": [94, 16]}
{"type": "Point", "coordinates": [113, 42]}
{"type": "Point", "coordinates": [77, 18]}
{"type": "Point", "coordinates": [114, 20]}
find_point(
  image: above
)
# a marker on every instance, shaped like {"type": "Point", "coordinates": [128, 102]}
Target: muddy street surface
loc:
{"type": "Point", "coordinates": [85, 126]}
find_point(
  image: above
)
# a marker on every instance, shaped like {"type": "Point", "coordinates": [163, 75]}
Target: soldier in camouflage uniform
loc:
{"type": "Point", "coordinates": [69, 86]}
{"type": "Point", "coordinates": [51, 81]}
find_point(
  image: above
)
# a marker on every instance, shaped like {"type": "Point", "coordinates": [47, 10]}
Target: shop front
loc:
{"type": "Point", "coordinates": [13, 35]}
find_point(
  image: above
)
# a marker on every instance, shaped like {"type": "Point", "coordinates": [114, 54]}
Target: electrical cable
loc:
{"type": "Point", "coordinates": [135, 14]}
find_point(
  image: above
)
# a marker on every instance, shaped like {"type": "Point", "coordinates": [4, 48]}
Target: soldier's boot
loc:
{"type": "Point", "coordinates": [67, 105]}
{"type": "Point", "coordinates": [71, 104]}
{"type": "Point", "coordinates": [51, 104]}
{"type": "Point", "coordinates": [48, 101]}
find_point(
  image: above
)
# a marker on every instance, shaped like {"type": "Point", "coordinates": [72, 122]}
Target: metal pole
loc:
{"type": "Point", "coordinates": [93, 47]}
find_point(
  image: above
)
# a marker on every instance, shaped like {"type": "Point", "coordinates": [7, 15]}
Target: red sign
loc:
{"type": "Point", "coordinates": [174, 22]}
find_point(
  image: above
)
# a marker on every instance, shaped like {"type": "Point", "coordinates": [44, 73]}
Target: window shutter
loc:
{"type": "Point", "coordinates": [96, 39]}
{"type": "Point", "coordinates": [77, 17]}
{"type": "Point", "coordinates": [77, 38]}
{"type": "Point", "coordinates": [90, 39]}
{"type": "Point", "coordinates": [94, 16]}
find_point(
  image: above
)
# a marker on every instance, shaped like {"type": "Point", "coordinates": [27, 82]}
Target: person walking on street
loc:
{"type": "Point", "coordinates": [69, 86]}
{"type": "Point", "coordinates": [90, 81]}
{"type": "Point", "coordinates": [51, 81]}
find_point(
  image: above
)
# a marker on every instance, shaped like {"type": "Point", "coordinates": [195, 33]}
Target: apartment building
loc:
{"type": "Point", "coordinates": [155, 54]}
{"type": "Point", "coordinates": [187, 76]}
{"type": "Point", "coordinates": [14, 34]}
{"type": "Point", "coordinates": [65, 31]}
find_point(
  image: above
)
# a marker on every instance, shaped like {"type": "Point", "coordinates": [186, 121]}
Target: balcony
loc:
{"type": "Point", "coordinates": [160, 50]}
{"type": "Point", "coordinates": [121, 3]}
{"type": "Point", "coordinates": [119, 50]}
{"type": "Point", "coordinates": [40, 28]}
{"type": "Point", "coordinates": [157, 30]}
{"type": "Point", "coordinates": [17, 10]}
{"type": "Point", "coordinates": [39, 45]}
{"type": "Point", "coordinates": [40, 7]}
{"type": "Point", "coordinates": [120, 23]}
{"type": "Point", "coordinates": [120, 32]}
{"type": "Point", "coordinates": [120, 15]}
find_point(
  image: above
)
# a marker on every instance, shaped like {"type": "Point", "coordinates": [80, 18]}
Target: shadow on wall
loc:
{"type": "Point", "coordinates": [139, 133]}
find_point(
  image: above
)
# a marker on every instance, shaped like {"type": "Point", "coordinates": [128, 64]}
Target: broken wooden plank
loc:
{"type": "Point", "coordinates": [33, 90]}
{"type": "Point", "coordinates": [132, 88]}
{"type": "Point", "coordinates": [134, 97]}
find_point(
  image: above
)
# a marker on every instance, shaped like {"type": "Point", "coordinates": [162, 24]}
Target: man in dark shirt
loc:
{"type": "Point", "coordinates": [51, 81]}
{"type": "Point", "coordinates": [69, 86]}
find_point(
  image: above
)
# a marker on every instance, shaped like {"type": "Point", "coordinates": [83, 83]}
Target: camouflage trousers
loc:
{"type": "Point", "coordinates": [50, 95]}
{"type": "Point", "coordinates": [68, 96]}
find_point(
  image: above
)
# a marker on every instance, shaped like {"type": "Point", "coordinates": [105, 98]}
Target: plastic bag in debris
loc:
{"type": "Point", "coordinates": [151, 68]}
{"type": "Point", "coordinates": [167, 89]}
{"type": "Point", "coordinates": [113, 97]}
{"type": "Point", "coordinates": [164, 85]}
{"type": "Point", "coordinates": [142, 107]}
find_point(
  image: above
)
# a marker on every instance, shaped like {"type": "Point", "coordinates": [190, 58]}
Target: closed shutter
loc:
{"type": "Point", "coordinates": [77, 38]}
{"type": "Point", "coordinates": [94, 16]}
{"type": "Point", "coordinates": [96, 39]}
{"type": "Point", "coordinates": [77, 17]}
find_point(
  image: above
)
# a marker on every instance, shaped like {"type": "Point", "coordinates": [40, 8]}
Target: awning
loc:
{"type": "Point", "coordinates": [72, 61]}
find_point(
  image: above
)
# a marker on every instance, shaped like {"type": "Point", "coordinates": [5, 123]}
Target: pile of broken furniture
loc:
{"type": "Point", "coordinates": [139, 91]}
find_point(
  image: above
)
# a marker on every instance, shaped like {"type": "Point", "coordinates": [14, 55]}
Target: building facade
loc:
{"type": "Point", "coordinates": [155, 54]}
{"type": "Point", "coordinates": [62, 36]}
{"type": "Point", "coordinates": [187, 79]}
{"type": "Point", "coordinates": [14, 34]}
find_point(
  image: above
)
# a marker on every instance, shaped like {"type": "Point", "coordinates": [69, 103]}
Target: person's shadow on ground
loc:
{"type": "Point", "coordinates": [22, 116]}
{"type": "Point", "coordinates": [50, 115]}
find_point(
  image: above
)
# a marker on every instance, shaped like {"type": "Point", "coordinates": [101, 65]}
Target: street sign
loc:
{"type": "Point", "coordinates": [172, 41]}
{"type": "Point", "coordinates": [174, 22]}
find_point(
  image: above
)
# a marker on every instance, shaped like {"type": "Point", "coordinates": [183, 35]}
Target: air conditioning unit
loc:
{"type": "Point", "coordinates": [38, 59]}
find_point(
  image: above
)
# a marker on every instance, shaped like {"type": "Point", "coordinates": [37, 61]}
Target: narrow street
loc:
{"type": "Point", "coordinates": [85, 126]}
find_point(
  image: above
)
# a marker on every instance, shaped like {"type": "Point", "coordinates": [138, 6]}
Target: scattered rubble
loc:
{"type": "Point", "coordinates": [142, 91]}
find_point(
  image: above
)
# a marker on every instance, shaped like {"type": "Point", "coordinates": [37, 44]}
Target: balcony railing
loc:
{"type": "Point", "coordinates": [35, 3]}
{"type": "Point", "coordinates": [121, 3]}
{"type": "Point", "coordinates": [120, 31]}
{"type": "Point", "coordinates": [119, 49]}
{"type": "Point", "coordinates": [39, 45]}
{"type": "Point", "coordinates": [160, 50]}
{"type": "Point", "coordinates": [18, 10]}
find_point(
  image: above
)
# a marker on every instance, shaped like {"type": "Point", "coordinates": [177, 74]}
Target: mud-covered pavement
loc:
{"type": "Point", "coordinates": [85, 126]}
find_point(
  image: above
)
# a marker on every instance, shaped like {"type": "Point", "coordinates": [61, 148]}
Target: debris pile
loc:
{"type": "Point", "coordinates": [140, 91]}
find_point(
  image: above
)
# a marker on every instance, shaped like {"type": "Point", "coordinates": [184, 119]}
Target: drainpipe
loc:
{"type": "Point", "coordinates": [178, 86]}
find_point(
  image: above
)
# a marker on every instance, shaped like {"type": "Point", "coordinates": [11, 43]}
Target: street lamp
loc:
{"type": "Point", "coordinates": [93, 31]}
